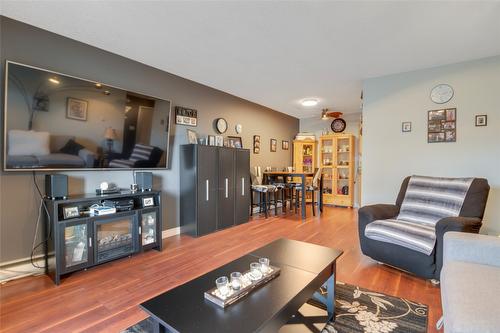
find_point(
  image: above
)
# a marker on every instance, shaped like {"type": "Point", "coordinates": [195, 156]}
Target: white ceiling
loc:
{"type": "Point", "coordinates": [277, 53]}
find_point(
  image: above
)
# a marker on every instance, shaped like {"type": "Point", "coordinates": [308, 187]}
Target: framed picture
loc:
{"type": "Point", "coordinates": [285, 145]}
{"type": "Point", "coordinates": [406, 126]}
{"type": "Point", "coordinates": [192, 136]}
{"type": "Point", "coordinates": [481, 120]}
{"type": "Point", "coordinates": [219, 140]}
{"type": "Point", "coordinates": [211, 140]}
{"type": "Point", "coordinates": [441, 125]}
{"type": "Point", "coordinates": [234, 142]}
{"type": "Point", "coordinates": [76, 109]}
{"type": "Point", "coordinates": [70, 212]}
{"type": "Point", "coordinates": [147, 201]}
{"type": "Point", "coordinates": [256, 144]}
{"type": "Point", "coordinates": [274, 143]}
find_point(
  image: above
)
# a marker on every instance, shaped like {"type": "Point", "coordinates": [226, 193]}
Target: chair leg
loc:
{"type": "Point", "coordinates": [251, 203]}
{"type": "Point", "coordinates": [313, 205]}
{"type": "Point", "coordinates": [276, 203]}
{"type": "Point", "coordinates": [265, 204]}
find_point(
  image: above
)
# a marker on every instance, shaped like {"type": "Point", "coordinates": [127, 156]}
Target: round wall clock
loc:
{"type": "Point", "coordinates": [338, 125]}
{"type": "Point", "coordinates": [441, 93]}
{"type": "Point", "coordinates": [238, 128]}
{"type": "Point", "coordinates": [221, 125]}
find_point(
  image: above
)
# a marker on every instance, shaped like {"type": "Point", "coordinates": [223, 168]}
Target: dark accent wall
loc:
{"type": "Point", "coordinates": [30, 45]}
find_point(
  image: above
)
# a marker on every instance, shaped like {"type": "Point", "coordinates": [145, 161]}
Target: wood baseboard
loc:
{"type": "Point", "coordinates": [171, 232]}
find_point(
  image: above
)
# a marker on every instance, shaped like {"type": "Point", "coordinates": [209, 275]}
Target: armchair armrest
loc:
{"type": "Point", "coordinates": [87, 156]}
{"type": "Point", "coordinates": [371, 213]}
{"type": "Point", "coordinates": [474, 248]}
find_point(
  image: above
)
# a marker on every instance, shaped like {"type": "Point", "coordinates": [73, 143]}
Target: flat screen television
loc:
{"type": "Point", "coordinates": [54, 121]}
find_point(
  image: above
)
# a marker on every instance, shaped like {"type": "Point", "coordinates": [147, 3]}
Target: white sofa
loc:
{"type": "Point", "coordinates": [470, 283]}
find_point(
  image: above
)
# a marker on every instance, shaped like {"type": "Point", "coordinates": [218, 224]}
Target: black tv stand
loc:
{"type": "Point", "coordinates": [77, 240]}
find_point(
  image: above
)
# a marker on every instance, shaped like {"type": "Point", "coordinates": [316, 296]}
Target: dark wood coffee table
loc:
{"type": "Point", "coordinates": [304, 268]}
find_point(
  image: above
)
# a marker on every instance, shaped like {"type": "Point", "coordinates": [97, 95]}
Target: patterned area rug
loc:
{"type": "Point", "coordinates": [357, 310]}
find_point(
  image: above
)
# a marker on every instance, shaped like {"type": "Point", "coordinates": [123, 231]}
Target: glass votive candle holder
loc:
{"type": "Point", "coordinates": [222, 285]}
{"type": "Point", "coordinates": [236, 282]}
{"type": "Point", "coordinates": [255, 271]}
{"type": "Point", "coordinates": [264, 265]}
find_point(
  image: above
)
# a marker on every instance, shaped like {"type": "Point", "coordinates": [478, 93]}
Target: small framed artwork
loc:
{"type": "Point", "coordinates": [274, 143]}
{"type": "Point", "coordinates": [481, 120]}
{"type": "Point", "coordinates": [256, 144]}
{"type": "Point", "coordinates": [211, 140]}
{"type": "Point", "coordinates": [219, 140]}
{"type": "Point", "coordinates": [76, 109]}
{"type": "Point", "coordinates": [147, 201]}
{"type": "Point", "coordinates": [406, 126]}
{"type": "Point", "coordinates": [285, 145]}
{"type": "Point", "coordinates": [185, 116]}
{"type": "Point", "coordinates": [234, 142]}
{"type": "Point", "coordinates": [192, 136]}
{"type": "Point", "coordinates": [71, 212]}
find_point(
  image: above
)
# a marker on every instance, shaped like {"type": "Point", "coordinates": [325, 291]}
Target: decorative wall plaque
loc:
{"type": "Point", "coordinates": [185, 116]}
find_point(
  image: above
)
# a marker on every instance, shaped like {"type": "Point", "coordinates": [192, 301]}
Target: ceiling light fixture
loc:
{"type": "Point", "coordinates": [309, 102]}
{"type": "Point", "coordinates": [54, 80]}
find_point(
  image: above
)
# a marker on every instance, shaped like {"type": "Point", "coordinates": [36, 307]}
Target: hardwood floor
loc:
{"type": "Point", "coordinates": [105, 298]}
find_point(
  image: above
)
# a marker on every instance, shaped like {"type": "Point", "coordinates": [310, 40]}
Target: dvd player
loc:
{"type": "Point", "coordinates": [122, 204]}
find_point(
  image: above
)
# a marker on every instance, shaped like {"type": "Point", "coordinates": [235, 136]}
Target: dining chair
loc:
{"type": "Point", "coordinates": [313, 189]}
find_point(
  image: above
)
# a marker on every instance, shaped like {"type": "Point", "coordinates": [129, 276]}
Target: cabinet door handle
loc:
{"type": "Point", "coordinates": [207, 185]}
{"type": "Point", "coordinates": [90, 241]}
{"type": "Point", "coordinates": [140, 230]}
{"type": "Point", "coordinates": [227, 181]}
{"type": "Point", "coordinates": [242, 186]}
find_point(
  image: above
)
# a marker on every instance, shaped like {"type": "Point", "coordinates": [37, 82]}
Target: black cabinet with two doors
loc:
{"type": "Point", "coordinates": [214, 188]}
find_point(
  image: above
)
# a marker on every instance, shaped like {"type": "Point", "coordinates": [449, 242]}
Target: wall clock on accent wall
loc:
{"type": "Point", "coordinates": [442, 93]}
{"type": "Point", "coordinates": [338, 125]}
{"type": "Point", "coordinates": [221, 125]}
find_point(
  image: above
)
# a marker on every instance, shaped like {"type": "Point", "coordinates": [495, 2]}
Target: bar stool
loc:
{"type": "Point", "coordinates": [264, 191]}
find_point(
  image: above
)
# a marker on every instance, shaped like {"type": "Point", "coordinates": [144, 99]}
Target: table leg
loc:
{"type": "Point", "coordinates": [328, 299]}
{"type": "Point", "coordinates": [159, 328]}
{"type": "Point", "coordinates": [303, 197]}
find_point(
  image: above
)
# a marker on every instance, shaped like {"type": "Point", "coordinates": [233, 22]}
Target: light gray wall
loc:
{"type": "Point", "coordinates": [30, 45]}
{"type": "Point", "coordinates": [389, 155]}
{"type": "Point", "coordinates": [317, 126]}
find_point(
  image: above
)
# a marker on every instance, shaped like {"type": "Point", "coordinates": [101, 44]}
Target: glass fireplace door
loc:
{"type": "Point", "coordinates": [115, 237]}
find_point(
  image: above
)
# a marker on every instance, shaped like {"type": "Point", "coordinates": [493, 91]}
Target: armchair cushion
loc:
{"type": "Point", "coordinates": [414, 236]}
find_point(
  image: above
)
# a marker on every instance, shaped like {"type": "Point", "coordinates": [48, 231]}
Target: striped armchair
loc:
{"type": "Point", "coordinates": [409, 234]}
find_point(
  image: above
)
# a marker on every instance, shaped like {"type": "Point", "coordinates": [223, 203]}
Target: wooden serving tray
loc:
{"type": "Point", "coordinates": [249, 285]}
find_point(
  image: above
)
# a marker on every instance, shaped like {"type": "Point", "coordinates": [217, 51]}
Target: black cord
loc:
{"type": "Point", "coordinates": [48, 223]}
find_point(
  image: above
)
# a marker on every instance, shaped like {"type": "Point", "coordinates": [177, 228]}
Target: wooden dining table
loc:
{"type": "Point", "coordinates": [302, 175]}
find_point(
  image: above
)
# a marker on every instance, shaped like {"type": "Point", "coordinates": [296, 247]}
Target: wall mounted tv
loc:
{"type": "Point", "coordinates": [54, 121]}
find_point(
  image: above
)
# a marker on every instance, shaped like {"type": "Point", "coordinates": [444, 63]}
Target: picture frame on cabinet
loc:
{"type": "Point", "coordinates": [192, 136]}
{"type": "Point", "coordinates": [211, 140]}
{"type": "Point", "coordinates": [234, 142]}
{"type": "Point", "coordinates": [219, 140]}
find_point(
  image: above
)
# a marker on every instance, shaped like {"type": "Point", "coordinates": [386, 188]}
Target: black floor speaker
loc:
{"type": "Point", "coordinates": [56, 186]}
{"type": "Point", "coordinates": [144, 181]}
